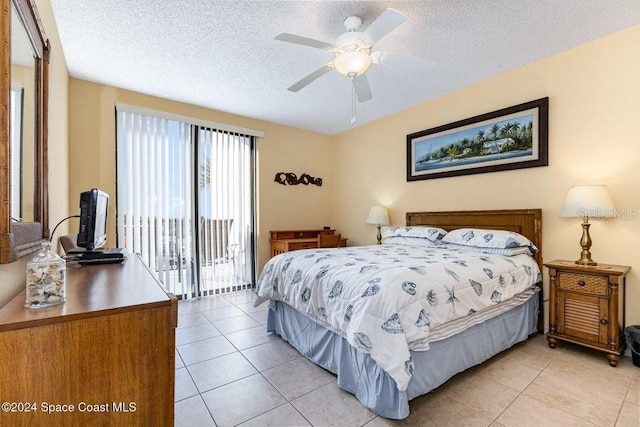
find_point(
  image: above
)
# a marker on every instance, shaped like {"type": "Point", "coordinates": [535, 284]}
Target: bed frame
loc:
{"type": "Point", "coordinates": [527, 222]}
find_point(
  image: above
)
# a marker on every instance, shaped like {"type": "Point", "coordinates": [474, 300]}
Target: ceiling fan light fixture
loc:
{"type": "Point", "coordinates": [352, 63]}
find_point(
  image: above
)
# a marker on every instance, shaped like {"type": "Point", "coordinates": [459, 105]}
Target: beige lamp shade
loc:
{"type": "Point", "coordinates": [590, 201]}
{"type": "Point", "coordinates": [378, 216]}
{"type": "Point", "coordinates": [587, 201]}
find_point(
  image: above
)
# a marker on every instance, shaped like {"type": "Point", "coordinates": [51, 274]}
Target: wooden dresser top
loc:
{"type": "Point", "coordinates": [92, 290]}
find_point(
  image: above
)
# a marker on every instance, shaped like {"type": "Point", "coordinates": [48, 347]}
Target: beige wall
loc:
{"type": "Point", "coordinates": [12, 276]}
{"type": "Point", "coordinates": [594, 106]}
{"type": "Point", "coordinates": [593, 92]}
{"type": "Point", "coordinates": [283, 149]}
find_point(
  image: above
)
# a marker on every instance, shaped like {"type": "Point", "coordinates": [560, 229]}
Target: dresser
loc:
{"type": "Point", "coordinates": [293, 240]}
{"type": "Point", "coordinates": [586, 306]}
{"type": "Point", "coordinates": [105, 357]}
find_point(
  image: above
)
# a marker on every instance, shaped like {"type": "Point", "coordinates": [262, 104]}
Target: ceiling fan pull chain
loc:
{"type": "Point", "coordinates": [353, 101]}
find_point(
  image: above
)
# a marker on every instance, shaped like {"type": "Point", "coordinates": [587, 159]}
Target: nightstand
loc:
{"type": "Point", "coordinates": [586, 306]}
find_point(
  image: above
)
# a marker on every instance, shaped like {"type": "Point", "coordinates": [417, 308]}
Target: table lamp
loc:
{"type": "Point", "coordinates": [378, 216]}
{"type": "Point", "coordinates": [587, 201]}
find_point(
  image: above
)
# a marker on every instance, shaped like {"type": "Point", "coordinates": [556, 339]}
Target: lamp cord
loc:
{"type": "Point", "coordinates": [58, 224]}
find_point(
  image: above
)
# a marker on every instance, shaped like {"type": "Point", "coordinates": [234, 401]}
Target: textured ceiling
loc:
{"type": "Point", "coordinates": [222, 54]}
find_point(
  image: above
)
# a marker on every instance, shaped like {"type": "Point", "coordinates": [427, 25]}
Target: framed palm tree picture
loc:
{"type": "Point", "coordinates": [511, 138]}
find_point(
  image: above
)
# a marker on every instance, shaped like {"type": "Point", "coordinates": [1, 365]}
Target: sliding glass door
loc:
{"type": "Point", "coordinates": [185, 202]}
{"type": "Point", "coordinates": [225, 209]}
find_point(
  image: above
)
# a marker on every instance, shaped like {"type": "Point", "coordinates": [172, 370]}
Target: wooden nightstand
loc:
{"type": "Point", "coordinates": [586, 306]}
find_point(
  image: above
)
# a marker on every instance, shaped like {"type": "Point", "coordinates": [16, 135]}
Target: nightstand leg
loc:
{"type": "Point", "coordinates": [552, 308]}
{"type": "Point", "coordinates": [613, 359]}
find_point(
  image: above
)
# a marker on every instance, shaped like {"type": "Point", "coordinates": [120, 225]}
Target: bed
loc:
{"type": "Point", "coordinates": [395, 321]}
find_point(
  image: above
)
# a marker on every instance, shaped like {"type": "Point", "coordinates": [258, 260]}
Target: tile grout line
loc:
{"type": "Point", "coordinates": [624, 399]}
{"type": "Point", "coordinates": [258, 371]}
{"type": "Point", "coordinates": [520, 393]}
{"type": "Point", "coordinates": [199, 394]}
{"type": "Point", "coordinates": [555, 406]}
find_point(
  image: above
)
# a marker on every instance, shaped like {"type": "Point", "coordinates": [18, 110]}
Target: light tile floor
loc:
{"type": "Point", "coordinates": [230, 371]}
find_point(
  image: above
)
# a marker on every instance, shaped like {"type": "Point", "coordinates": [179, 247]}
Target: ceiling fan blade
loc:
{"type": "Point", "coordinates": [363, 90]}
{"type": "Point", "coordinates": [310, 78]}
{"type": "Point", "coordinates": [384, 24]}
{"type": "Point", "coordinates": [423, 64]}
{"type": "Point", "coordinates": [304, 41]}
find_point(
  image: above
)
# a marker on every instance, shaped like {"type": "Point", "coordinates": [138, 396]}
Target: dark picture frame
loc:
{"type": "Point", "coordinates": [510, 138]}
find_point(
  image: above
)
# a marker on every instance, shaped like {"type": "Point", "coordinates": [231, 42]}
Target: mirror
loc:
{"type": "Point", "coordinates": [23, 134]}
{"type": "Point", "coordinates": [21, 115]}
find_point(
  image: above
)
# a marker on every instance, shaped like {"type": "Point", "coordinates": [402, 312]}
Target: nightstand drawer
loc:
{"type": "Point", "coordinates": [596, 285]}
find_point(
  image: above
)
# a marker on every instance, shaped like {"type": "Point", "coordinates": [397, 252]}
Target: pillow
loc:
{"type": "Point", "coordinates": [493, 251]}
{"type": "Point", "coordinates": [430, 233]}
{"type": "Point", "coordinates": [409, 241]}
{"type": "Point", "coordinates": [482, 238]}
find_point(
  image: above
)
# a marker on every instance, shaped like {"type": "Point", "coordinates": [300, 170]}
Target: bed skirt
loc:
{"type": "Point", "coordinates": [361, 376]}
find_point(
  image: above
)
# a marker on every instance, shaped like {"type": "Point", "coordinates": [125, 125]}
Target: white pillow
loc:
{"type": "Point", "coordinates": [483, 238]}
{"type": "Point", "coordinates": [494, 251]}
{"type": "Point", "coordinates": [409, 241]}
{"type": "Point", "coordinates": [430, 233]}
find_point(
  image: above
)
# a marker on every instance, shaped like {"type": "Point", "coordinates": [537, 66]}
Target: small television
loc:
{"type": "Point", "coordinates": [92, 233]}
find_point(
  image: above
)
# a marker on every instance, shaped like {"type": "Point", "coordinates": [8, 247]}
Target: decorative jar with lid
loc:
{"type": "Point", "coordinates": [45, 279]}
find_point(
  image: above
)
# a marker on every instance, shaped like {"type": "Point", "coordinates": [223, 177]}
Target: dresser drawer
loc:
{"type": "Point", "coordinates": [596, 285]}
{"type": "Point", "coordinates": [302, 245]}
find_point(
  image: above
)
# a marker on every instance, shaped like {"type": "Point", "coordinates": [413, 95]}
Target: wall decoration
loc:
{"type": "Point", "coordinates": [288, 178]}
{"type": "Point", "coordinates": [506, 139]}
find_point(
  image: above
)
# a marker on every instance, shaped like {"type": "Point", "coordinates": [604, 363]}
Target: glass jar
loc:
{"type": "Point", "coordinates": [45, 279]}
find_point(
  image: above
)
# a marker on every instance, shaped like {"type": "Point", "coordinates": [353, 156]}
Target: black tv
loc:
{"type": "Point", "coordinates": [92, 233]}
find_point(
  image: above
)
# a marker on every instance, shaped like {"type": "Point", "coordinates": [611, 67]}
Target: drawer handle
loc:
{"type": "Point", "coordinates": [604, 321]}
{"type": "Point", "coordinates": [581, 283]}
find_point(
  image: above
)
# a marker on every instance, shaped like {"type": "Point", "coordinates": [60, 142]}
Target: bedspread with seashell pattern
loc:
{"type": "Point", "coordinates": [384, 299]}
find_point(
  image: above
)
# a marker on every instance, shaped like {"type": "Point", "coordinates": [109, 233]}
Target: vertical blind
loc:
{"type": "Point", "coordinates": [225, 207]}
{"type": "Point", "coordinates": [185, 201]}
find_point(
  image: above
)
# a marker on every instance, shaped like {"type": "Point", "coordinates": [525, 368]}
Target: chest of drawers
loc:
{"type": "Point", "coordinates": [104, 357]}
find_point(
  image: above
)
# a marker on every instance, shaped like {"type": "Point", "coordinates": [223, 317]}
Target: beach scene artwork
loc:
{"type": "Point", "coordinates": [482, 144]}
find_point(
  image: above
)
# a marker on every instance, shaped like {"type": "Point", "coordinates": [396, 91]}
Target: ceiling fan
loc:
{"type": "Point", "coordinates": [352, 50]}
